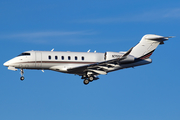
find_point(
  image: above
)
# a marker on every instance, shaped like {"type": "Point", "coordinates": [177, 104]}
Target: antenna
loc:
{"type": "Point", "coordinates": [89, 50]}
{"type": "Point", "coordinates": [52, 49]}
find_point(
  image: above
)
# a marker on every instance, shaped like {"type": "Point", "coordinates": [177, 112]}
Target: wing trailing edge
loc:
{"type": "Point", "coordinates": [98, 71]}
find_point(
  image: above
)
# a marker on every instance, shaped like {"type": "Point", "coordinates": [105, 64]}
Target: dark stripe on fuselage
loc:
{"type": "Point", "coordinates": [59, 62]}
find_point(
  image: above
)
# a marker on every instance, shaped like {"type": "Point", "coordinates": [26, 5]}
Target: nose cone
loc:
{"type": "Point", "coordinates": [6, 64]}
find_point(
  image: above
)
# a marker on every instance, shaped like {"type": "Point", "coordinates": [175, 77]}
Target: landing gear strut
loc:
{"type": "Point", "coordinates": [22, 77]}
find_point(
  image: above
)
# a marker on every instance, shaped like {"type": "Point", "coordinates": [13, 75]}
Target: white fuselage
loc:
{"type": "Point", "coordinates": [49, 60]}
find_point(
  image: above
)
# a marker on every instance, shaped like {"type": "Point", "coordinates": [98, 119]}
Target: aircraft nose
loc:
{"type": "Point", "coordinates": [6, 63]}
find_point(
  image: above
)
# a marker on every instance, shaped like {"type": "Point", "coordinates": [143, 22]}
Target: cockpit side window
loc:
{"type": "Point", "coordinates": [24, 54]}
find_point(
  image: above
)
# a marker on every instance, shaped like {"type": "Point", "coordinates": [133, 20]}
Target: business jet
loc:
{"type": "Point", "coordinates": [88, 65]}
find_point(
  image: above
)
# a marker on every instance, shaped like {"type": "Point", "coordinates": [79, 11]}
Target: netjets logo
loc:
{"type": "Point", "coordinates": [116, 56]}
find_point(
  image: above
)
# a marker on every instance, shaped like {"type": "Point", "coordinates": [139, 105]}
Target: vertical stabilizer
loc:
{"type": "Point", "coordinates": [147, 45]}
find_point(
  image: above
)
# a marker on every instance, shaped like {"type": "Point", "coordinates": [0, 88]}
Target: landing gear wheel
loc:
{"type": "Point", "coordinates": [22, 78]}
{"type": "Point", "coordinates": [91, 79]}
{"type": "Point", "coordinates": [86, 81]}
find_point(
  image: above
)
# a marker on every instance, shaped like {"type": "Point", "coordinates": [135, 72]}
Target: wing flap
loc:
{"type": "Point", "coordinates": [98, 71]}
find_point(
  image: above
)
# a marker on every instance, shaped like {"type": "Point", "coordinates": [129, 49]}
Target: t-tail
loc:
{"type": "Point", "coordinates": [147, 45]}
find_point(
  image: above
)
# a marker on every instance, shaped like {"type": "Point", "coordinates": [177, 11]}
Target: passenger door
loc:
{"type": "Point", "coordinates": [38, 59]}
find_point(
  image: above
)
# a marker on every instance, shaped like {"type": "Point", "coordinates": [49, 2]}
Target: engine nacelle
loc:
{"type": "Point", "coordinates": [115, 55]}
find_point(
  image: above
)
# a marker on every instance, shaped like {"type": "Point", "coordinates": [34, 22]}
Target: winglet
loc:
{"type": "Point", "coordinates": [52, 49]}
{"type": "Point", "coordinates": [128, 52]}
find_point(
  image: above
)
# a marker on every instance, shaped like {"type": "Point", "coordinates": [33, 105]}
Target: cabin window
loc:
{"type": "Point", "coordinates": [82, 57]}
{"type": "Point", "coordinates": [62, 57]}
{"type": "Point", "coordinates": [56, 57]}
{"type": "Point", "coordinates": [49, 57]}
{"type": "Point", "coordinates": [76, 58]}
{"type": "Point", "coordinates": [69, 58]}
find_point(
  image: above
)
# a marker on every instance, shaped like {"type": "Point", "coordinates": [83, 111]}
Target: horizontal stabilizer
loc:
{"type": "Point", "coordinates": [158, 37]}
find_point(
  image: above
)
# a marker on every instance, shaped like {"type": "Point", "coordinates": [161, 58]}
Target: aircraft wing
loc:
{"type": "Point", "coordinates": [99, 67]}
{"type": "Point", "coordinates": [96, 68]}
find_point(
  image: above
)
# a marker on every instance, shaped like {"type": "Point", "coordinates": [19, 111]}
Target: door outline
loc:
{"type": "Point", "coordinates": [38, 59]}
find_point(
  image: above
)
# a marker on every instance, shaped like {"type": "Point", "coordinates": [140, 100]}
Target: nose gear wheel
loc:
{"type": "Point", "coordinates": [22, 78]}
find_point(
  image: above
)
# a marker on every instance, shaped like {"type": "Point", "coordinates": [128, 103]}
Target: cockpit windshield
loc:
{"type": "Point", "coordinates": [24, 54]}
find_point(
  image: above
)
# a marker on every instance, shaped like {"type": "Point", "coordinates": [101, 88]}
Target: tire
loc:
{"type": "Point", "coordinates": [91, 79]}
{"type": "Point", "coordinates": [86, 81]}
{"type": "Point", "coordinates": [22, 78]}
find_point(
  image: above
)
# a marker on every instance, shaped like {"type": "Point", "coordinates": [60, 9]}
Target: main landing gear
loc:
{"type": "Point", "coordinates": [22, 72]}
{"type": "Point", "coordinates": [86, 81]}
{"type": "Point", "coordinates": [89, 79]}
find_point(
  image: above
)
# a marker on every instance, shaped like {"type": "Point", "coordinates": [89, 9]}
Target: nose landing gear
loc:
{"type": "Point", "coordinates": [22, 72]}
